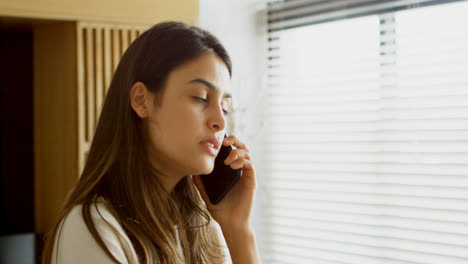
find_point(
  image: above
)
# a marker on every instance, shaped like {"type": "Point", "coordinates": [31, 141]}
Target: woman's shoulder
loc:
{"type": "Point", "coordinates": [75, 243]}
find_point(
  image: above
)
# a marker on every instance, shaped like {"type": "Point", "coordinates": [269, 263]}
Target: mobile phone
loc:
{"type": "Point", "coordinates": [222, 178]}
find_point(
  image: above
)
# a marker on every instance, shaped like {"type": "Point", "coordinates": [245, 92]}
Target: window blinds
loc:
{"type": "Point", "coordinates": [288, 14]}
{"type": "Point", "coordinates": [368, 138]}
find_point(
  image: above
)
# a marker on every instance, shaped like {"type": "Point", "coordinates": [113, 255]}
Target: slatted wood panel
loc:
{"type": "Point", "coordinates": [99, 49]}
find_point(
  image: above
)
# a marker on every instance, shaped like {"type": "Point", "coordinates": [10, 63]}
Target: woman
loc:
{"type": "Point", "coordinates": [139, 197]}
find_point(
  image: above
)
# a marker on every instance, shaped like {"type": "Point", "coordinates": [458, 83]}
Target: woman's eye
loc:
{"type": "Point", "coordinates": [203, 100]}
{"type": "Point", "coordinates": [200, 99]}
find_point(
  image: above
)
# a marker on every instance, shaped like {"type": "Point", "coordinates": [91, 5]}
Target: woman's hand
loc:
{"type": "Point", "coordinates": [234, 210]}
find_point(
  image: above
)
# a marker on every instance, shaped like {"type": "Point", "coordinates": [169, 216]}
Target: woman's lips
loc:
{"type": "Point", "coordinates": [211, 150]}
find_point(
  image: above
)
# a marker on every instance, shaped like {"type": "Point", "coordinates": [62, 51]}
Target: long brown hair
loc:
{"type": "Point", "coordinates": [118, 170]}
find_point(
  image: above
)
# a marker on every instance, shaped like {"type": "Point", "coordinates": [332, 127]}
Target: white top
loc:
{"type": "Point", "coordinates": [77, 245]}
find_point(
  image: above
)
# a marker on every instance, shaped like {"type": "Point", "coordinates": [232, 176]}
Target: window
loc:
{"type": "Point", "coordinates": [367, 135]}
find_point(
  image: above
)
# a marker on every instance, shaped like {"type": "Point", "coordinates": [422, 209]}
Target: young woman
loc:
{"type": "Point", "coordinates": [139, 198]}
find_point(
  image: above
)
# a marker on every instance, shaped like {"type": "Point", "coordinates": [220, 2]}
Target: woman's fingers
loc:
{"type": "Point", "coordinates": [237, 154]}
{"type": "Point", "coordinates": [242, 163]}
{"type": "Point", "coordinates": [237, 164]}
{"type": "Point", "coordinates": [233, 140]}
{"type": "Point", "coordinates": [246, 165]}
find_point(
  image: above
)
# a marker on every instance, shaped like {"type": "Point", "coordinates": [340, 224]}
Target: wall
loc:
{"type": "Point", "coordinates": [119, 11]}
{"type": "Point", "coordinates": [240, 25]}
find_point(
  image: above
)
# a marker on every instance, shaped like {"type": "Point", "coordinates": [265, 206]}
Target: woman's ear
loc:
{"type": "Point", "coordinates": [139, 96]}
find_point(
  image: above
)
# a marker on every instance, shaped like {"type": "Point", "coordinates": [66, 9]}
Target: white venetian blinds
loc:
{"type": "Point", "coordinates": [368, 138]}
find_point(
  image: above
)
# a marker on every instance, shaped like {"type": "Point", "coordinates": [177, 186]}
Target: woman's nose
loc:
{"type": "Point", "coordinates": [218, 119]}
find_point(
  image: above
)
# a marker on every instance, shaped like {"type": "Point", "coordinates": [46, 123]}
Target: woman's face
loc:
{"type": "Point", "coordinates": [190, 117]}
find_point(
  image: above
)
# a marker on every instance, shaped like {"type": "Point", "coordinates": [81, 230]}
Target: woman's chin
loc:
{"type": "Point", "coordinates": [202, 166]}
{"type": "Point", "coordinates": [207, 168]}
{"type": "Point", "coordinates": [206, 171]}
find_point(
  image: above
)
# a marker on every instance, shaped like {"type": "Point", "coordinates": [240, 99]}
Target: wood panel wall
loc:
{"type": "Point", "coordinates": [99, 47]}
{"type": "Point", "coordinates": [73, 67]}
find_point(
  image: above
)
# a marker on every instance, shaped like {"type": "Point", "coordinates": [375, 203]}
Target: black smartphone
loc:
{"type": "Point", "coordinates": [222, 178]}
